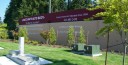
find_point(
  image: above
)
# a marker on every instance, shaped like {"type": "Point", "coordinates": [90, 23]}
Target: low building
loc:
{"type": "Point", "coordinates": [61, 22]}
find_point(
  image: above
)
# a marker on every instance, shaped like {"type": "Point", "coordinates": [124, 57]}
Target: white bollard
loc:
{"type": "Point", "coordinates": [21, 45]}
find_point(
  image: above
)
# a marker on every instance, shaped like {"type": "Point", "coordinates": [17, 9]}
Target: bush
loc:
{"type": "Point", "coordinates": [3, 31]}
{"type": "Point", "coordinates": [52, 36]}
{"type": "Point", "coordinates": [49, 36]}
{"type": "Point", "coordinates": [81, 38]}
{"type": "Point", "coordinates": [15, 35]}
{"type": "Point", "coordinates": [71, 36]}
{"type": "Point", "coordinates": [3, 34]}
{"type": "Point", "coordinates": [23, 33]}
{"type": "Point", "coordinates": [35, 42]}
{"type": "Point", "coordinates": [45, 35]}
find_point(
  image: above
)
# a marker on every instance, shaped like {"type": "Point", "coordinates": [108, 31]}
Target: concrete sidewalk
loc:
{"type": "Point", "coordinates": [5, 61]}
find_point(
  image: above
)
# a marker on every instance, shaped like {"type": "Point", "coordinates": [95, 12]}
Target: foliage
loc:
{"type": "Point", "coordinates": [49, 36]}
{"type": "Point", "coordinates": [78, 4]}
{"type": "Point", "coordinates": [11, 14]}
{"type": "Point", "coordinates": [52, 36]}
{"type": "Point", "coordinates": [4, 34]}
{"type": "Point", "coordinates": [0, 20]}
{"type": "Point", "coordinates": [71, 36]}
{"type": "Point", "coordinates": [15, 35]}
{"type": "Point", "coordinates": [81, 38]}
{"type": "Point", "coordinates": [23, 33]}
{"type": "Point", "coordinates": [22, 8]}
{"type": "Point", "coordinates": [2, 26]}
{"type": "Point", "coordinates": [34, 42]}
{"type": "Point", "coordinates": [45, 35]}
{"type": "Point", "coordinates": [3, 31]}
{"type": "Point", "coordinates": [115, 16]}
{"type": "Point", "coordinates": [58, 5]}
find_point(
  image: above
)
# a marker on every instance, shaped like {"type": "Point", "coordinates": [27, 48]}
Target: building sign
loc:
{"type": "Point", "coordinates": [66, 16]}
{"type": "Point", "coordinates": [33, 18]}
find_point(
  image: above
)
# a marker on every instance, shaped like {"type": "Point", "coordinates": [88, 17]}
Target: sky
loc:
{"type": "Point", "coordinates": [3, 5]}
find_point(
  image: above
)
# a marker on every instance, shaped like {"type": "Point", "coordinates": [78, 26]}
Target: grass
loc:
{"type": "Point", "coordinates": [61, 56]}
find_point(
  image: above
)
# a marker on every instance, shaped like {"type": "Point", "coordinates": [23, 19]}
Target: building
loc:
{"type": "Point", "coordinates": [61, 21]}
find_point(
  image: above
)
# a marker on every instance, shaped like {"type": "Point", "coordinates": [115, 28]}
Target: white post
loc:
{"type": "Point", "coordinates": [21, 45]}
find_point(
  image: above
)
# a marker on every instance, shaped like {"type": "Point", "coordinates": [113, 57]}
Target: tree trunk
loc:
{"type": "Point", "coordinates": [47, 41]}
{"type": "Point", "coordinates": [107, 49]}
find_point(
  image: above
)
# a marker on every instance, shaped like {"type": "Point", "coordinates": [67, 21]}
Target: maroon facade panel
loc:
{"type": "Point", "coordinates": [65, 16]}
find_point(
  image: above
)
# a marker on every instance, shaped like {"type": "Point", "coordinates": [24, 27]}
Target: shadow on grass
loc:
{"type": "Point", "coordinates": [68, 50]}
{"type": "Point", "coordinates": [75, 52]}
{"type": "Point", "coordinates": [60, 62]}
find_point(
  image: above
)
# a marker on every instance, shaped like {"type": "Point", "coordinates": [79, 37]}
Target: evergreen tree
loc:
{"type": "Point", "coordinates": [62, 5]}
{"type": "Point", "coordinates": [45, 35]}
{"type": "Point", "coordinates": [58, 5]}
{"type": "Point", "coordinates": [52, 36]}
{"type": "Point", "coordinates": [71, 36]}
{"type": "Point", "coordinates": [0, 20]}
{"type": "Point", "coordinates": [23, 33]}
{"type": "Point", "coordinates": [81, 38]}
{"type": "Point", "coordinates": [69, 4]}
{"type": "Point", "coordinates": [11, 14]}
{"type": "Point", "coordinates": [78, 4]}
{"type": "Point", "coordinates": [22, 8]}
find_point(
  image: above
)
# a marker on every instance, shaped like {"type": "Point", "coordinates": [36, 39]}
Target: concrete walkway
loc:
{"type": "Point", "coordinates": [5, 61]}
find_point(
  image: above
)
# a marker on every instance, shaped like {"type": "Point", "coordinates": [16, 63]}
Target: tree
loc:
{"type": "Point", "coordinates": [49, 36]}
{"type": "Point", "coordinates": [23, 8]}
{"type": "Point", "coordinates": [58, 5]}
{"type": "Point", "coordinates": [69, 4]}
{"type": "Point", "coordinates": [23, 33]}
{"type": "Point", "coordinates": [0, 20]}
{"type": "Point", "coordinates": [115, 18]}
{"type": "Point", "coordinates": [62, 5]}
{"type": "Point", "coordinates": [81, 38]}
{"type": "Point", "coordinates": [78, 4]}
{"type": "Point", "coordinates": [71, 36]}
{"type": "Point", "coordinates": [45, 35]}
{"type": "Point", "coordinates": [11, 14]}
{"type": "Point", "coordinates": [52, 36]}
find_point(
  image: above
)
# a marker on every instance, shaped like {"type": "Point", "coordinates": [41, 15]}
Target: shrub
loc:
{"type": "Point", "coordinates": [81, 38]}
{"type": "Point", "coordinates": [3, 34]}
{"type": "Point", "coordinates": [49, 36]}
{"type": "Point", "coordinates": [45, 35]}
{"type": "Point", "coordinates": [3, 31]}
{"type": "Point", "coordinates": [52, 36]}
{"type": "Point", "coordinates": [35, 42]}
{"type": "Point", "coordinates": [15, 35]}
{"type": "Point", "coordinates": [71, 36]}
{"type": "Point", "coordinates": [23, 33]}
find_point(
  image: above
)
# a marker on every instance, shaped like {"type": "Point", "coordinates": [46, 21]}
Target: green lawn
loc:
{"type": "Point", "coordinates": [60, 56]}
